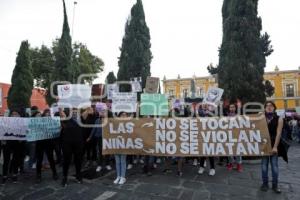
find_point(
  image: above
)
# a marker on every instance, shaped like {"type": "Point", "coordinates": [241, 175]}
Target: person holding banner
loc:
{"type": "Point", "coordinates": [47, 147]}
{"type": "Point", "coordinates": [275, 124]}
{"type": "Point", "coordinates": [12, 155]}
{"type": "Point", "coordinates": [121, 161]}
{"type": "Point", "coordinates": [72, 144]}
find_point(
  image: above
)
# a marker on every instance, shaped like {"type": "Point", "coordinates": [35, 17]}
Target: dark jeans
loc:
{"type": "Point", "coordinates": [211, 162]}
{"type": "Point", "coordinates": [103, 160]}
{"type": "Point", "coordinates": [47, 147]}
{"type": "Point", "coordinates": [14, 149]}
{"type": "Point", "coordinates": [72, 149]}
{"type": "Point", "coordinates": [265, 169]}
{"type": "Point", "coordinates": [91, 149]}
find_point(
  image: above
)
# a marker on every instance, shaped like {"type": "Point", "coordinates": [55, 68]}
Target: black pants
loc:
{"type": "Point", "coordinates": [211, 162]}
{"type": "Point", "coordinates": [57, 149]}
{"type": "Point", "coordinates": [12, 156]}
{"type": "Point", "coordinates": [103, 160]}
{"type": "Point", "coordinates": [91, 150]}
{"type": "Point", "coordinates": [72, 149]}
{"type": "Point", "coordinates": [47, 147]}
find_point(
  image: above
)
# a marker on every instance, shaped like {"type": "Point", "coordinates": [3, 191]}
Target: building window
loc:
{"type": "Point", "coordinates": [185, 93]}
{"type": "Point", "coordinates": [290, 90]}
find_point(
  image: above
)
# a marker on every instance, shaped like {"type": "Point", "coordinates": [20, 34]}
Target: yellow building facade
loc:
{"type": "Point", "coordinates": [286, 84]}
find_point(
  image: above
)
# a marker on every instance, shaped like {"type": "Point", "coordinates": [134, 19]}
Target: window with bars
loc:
{"type": "Point", "coordinates": [290, 90]}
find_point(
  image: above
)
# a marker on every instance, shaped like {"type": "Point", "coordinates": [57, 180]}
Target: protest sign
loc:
{"type": "Point", "coordinates": [42, 128]}
{"type": "Point", "coordinates": [74, 95]}
{"type": "Point", "coordinates": [152, 85]}
{"type": "Point", "coordinates": [124, 101]}
{"type": "Point", "coordinates": [110, 89]}
{"type": "Point", "coordinates": [298, 110]}
{"type": "Point", "coordinates": [213, 96]}
{"type": "Point", "coordinates": [188, 137]}
{"type": "Point", "coordinates": [136, 84]}
{"type": "Point", "coordinates": [0, 97]}
{"type": "Point", "coordinates": [154, 104]}
{"type": "Point", "coordinates": [13, 128]}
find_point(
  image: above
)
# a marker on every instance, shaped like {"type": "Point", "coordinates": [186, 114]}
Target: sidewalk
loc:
{"type": "Point", "coordinates": [224, 185]}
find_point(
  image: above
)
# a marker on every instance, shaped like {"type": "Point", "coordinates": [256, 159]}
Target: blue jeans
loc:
{"type": "Point", "coordinates": [265, 168]}
{"type": "Point", "coordinates": [121, 165]}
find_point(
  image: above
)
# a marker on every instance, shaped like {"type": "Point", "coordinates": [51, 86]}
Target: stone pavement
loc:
{"type": "Point", "coordinates": [224, 185]}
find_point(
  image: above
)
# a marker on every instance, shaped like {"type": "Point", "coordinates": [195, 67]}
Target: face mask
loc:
{"type": "Point", "coordinates": [269, 115]}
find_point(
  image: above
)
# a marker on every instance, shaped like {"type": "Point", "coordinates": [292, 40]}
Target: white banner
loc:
{"type": "Point", "coordinates": [124, 101]}
{"type": "Point", "coordinates": [13, 128]}
{"type": "Point", "coordinates": [73, 95]}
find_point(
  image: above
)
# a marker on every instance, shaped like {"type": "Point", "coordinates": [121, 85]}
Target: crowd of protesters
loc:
{"type": "Point", "coordinates": [82, 146]}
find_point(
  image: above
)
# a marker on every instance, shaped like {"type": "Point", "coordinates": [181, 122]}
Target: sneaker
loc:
{"type": "Point", "coordinates": [158, 160]}
{"type": "Point", "coordinates": [117, 180]}
{"type": "Point", "coordinates": [239, 167]}
{"type": "Point", "coordinates": [141, 161]}
{"type": "Point", "coordinates": [195, 162]}
{"type": "Point", "coordinates": [167, 171]}
{"type": "Point", "coordinates": [264, 187]}
{"type": "Point", "coordinates": [79, 180]}
{"type": "Point", "coordinates": [204, 164]}
{"type": "Point", "coordinates": [201, 170]}
{"type": "Point", "coordinates": [179, 173]}
{"type": "Point", "coordinates": [64, 182]}
{"type": "Point", "coordinates": [212, 172]}
{"type": "Point", "coordinates": [135, 161]}
{"type": "Point", "coordinates": [276, 189]}
{"type": "Point", "coordinates": [154, 165]}
{"type": "Point", "coordinates": [15, 179]}
{"type": "Point", "coordinates": [33, 166]}
{"type": "Point", "coordinates": [88, 164]}
{"type": "Point", "coordinates": [129, 166]}
{"type": "Point", "coordinates": [98, 169]}
{"type": "Point", "coordinates": [26, 159]}
{"type": "Point", "coordinates": [122, 181]}
{"type": "Point", "coordinates": [108, 167]}
{"type": "Point", "coordinates": [229, 166]}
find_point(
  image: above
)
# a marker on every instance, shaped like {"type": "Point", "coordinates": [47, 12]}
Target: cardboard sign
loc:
{"type": "Point", "coordinates": [42, 128]}
{"type": "Point", "coordinates": [213, 96]}
{"type": "Point", "coordinates": [188, 137]}
{"type": "Point", "coordinates": [110, 89]}
{"type": "Point", "coordinates": [74, 95]}
{"type": "Point", "coordinates": [152, 85]}
{"type": "Point", "coordinates": [136, 84]}
{"type": "Point", "coordinates": [154, 104]}
{"type": "Point", "coordinates": [124, 101]}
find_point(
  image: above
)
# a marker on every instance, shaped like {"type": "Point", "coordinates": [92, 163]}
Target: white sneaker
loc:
{"type": "Point", "coordinates": [154, 165]}
{"type": "Point", "coordinates": [33, 166]}
{"type": "Point", "coordinates": [141, 161]}
{"type": "Point", "coordinates": [108, 167]}
{"type": "Point", "coordinates": [26, 159]}
{"type": "Point", "coordinates": [195, 163]}
{"type": "Point", "coordinates": [212, 172]}
{"type": "Point", "coordinates": [158, 160]}
{"type": "Point", "coordinates": [99, 168]}
{"type": "Point", "coordinates": [122, 181]}
{"type": "Point", "coordinates": [204, 164]}
{"type": "Point", "coordinates": [129, 166]}
{"type": "Point", "coordinates": [135, 161]}
{"type": "Point", "coordinates": [117, 180]}
{"type": "Point", "coordinates": [201, 170]}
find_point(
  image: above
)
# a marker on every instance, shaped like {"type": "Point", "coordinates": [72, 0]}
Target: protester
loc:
{"type": "Point", "coordinates": [275, 124]}
{"type": "Point", "coordinates": [120, 160]}
{"type": "Point", "coordinates": [238, 159]}
{"type": "Point", "coordinates": [12, 155]}
{"type": "Point", "coordinates": [96, 134]}
{"type": "Point", "coordinates": [72, 144]}
{"type": "Point", "coordinates": [45, 147]}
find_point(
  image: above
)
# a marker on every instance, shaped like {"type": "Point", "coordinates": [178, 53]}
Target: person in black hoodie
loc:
{"type": "Point", "coordinates": [72, 139]}
{"type": "Point", "coordinates": [45, 146]}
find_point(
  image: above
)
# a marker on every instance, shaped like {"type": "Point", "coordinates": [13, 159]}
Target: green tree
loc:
{"type": "Point", "coordinates": [20, 91]}
{"type": "Point", "coordinates": [110, 78]}
{"type": "Point", "coordinates": [242, 56]}
{"type": "Point", "coordinates": [136, 56]}
{"type": "Point", "coordinates": [269, 89]}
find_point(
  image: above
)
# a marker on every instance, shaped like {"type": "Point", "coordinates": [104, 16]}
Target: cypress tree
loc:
{"type": "Point", "coordinates": [242, 56]}
{"type": "Point", "coordinates": [111, 78]}
{"type": "Point", "coordinates": [20, 91]}
{"type": "Point", "coordinates": [63, 55]}
{"type": "Point", "coordinates": [136, 56]}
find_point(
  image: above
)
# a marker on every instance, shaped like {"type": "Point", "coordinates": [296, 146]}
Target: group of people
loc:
{"type": "Point", "coordinates": [83, 145]}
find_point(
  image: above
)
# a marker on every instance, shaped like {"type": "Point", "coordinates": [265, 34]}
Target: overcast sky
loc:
{"type": "Point", "coordinates": [185, 34]}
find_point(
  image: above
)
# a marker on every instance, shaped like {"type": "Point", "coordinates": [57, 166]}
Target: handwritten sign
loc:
{"type": "Point", "coordinates": [224, 136]}
{"type": "Point", "coordinates": [124, 101]}
{"type": "Point", "coordinates": [152, 84]}
{"type": "Point", "coordinates": [213, 96]}
{"type": "Point", "coordinates": [13, 128]}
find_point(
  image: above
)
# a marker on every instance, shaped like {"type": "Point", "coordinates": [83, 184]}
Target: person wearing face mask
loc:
{"type": "Point", "coordinates": [275, 124]}
{"type": "Point", "coordinates": [47, 147]}
{"type": "Point", "coordinates": [72, 140]}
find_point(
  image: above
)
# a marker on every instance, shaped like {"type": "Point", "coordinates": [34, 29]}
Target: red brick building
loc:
{"type": "Point", "coordinates": [37, 98]}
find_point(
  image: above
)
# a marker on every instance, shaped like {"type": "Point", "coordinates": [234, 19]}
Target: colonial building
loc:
{"type": "Point", "coordinates": [286, 84]}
